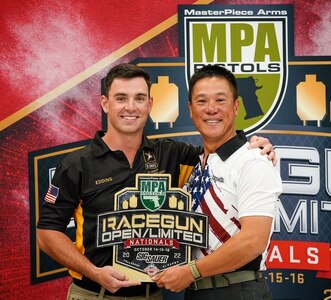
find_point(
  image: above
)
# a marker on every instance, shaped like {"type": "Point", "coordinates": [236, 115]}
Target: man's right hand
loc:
{"type": "Point", "coordinates": [112, 280]}
{"type": "Point", "coordinates": [58, 246]}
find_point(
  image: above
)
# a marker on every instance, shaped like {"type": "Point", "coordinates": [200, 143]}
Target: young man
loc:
{"type": "Point", "coordinates": [86, 180]}
{"type": "Point", "coordinates": [238, 188]}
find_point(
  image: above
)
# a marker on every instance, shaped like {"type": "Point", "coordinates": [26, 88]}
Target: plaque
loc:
{"type": "Point", "coordinates": [151, 227]}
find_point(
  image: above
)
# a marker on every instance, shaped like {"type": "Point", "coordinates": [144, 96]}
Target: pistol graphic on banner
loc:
{"type": "Point", "coordinates": [151, 227]}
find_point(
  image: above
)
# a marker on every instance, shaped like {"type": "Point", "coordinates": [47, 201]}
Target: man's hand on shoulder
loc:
{"type": "Point", "coordinates": [265, 146]}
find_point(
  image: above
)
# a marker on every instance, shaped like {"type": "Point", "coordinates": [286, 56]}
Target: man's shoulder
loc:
{"type": "Point", "coordinates": [168, 142]}
{"type": "Point", "coordinates": [76, 156]}
{"type": "Point", "coordinates": [245, 155]}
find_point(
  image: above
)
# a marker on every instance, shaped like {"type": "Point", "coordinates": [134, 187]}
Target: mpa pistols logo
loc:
{"type": "Point", "coordinates": [153, 193]}
{"type": "Point", "coordinates": [250, 42]}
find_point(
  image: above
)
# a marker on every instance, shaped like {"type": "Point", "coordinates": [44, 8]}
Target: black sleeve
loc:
{"type": "Point", "coordinates": [57, 215]}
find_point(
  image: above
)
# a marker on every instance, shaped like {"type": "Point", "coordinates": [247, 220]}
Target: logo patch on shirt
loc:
{"type": "Point", "coordinates": [52, 194]}
{"type": "Point", "coordinates": [151, 165]}
{"type": "Point", "coordinates": [218, 179]}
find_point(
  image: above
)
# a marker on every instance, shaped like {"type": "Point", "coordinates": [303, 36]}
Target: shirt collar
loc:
{"type": "Point", "coordinates": [147, 144]}
{"type": "Point", "coordinates": [100, 148]}
{"type": "Point", "coordinates": [232, 145]}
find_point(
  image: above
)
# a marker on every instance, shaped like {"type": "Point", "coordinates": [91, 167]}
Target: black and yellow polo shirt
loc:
{"type": "Point", "coordinates": [88, 178]}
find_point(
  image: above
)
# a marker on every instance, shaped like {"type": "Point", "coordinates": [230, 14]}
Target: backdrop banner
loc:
{"type": "Point", "coordinates": [282, 97]}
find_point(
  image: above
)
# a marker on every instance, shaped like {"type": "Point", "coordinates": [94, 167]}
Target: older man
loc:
{"type": "Point", "coordinates": [237, 188]}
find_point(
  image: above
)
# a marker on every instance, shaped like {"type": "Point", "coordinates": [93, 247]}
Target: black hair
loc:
{"type": "Point", "coordinates": [124, 71]}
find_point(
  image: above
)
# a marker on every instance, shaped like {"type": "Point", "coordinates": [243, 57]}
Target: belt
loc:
{"type": "Point", "coordinates": [133, 291]}
{"type": "Point", "coordinates": [224, 280]}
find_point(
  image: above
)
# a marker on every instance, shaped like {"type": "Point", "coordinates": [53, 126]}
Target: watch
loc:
{"type": "Point", "coordinates": [194, 270]}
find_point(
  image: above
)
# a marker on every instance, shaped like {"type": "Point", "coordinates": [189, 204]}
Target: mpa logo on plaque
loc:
{"type": "Point", "coordinates": [153, 193]}
{"type": "Point", "coordinates": [151, 227]}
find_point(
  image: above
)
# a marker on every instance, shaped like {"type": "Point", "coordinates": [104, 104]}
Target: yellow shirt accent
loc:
{"type": "Point", "coordinates": [185, 172]}
{"type": "Point", "coordinates": [78, 216]}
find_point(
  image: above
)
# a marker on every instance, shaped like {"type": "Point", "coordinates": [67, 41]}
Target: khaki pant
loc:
{"type": "Point", "coordinates": [77, 293]}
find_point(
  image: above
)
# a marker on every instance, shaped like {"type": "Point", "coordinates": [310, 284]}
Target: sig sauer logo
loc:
{"type": "Point", "coordinates": [250, 43]}
{"type": "Point", "coordinates": [153, 193]}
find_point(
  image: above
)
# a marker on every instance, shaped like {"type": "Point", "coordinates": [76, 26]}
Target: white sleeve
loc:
{"type": "Point", "coordinates": [258, 188]}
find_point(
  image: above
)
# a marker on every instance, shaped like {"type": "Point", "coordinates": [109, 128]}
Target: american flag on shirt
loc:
{"type": "Point", "coordinates": [52, 194]}
{"type": "Point", "coordinates": [205, 198]}
{"type": "Point", "coordinates": [199, 185]}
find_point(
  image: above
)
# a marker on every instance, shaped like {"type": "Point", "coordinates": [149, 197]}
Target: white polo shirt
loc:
{"type": "Point", "coordinates": [236, 182]}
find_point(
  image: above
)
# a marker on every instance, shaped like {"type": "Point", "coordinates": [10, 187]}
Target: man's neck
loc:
{"type": "Point", "coordinates": [129, 144]}
{"type": "Point", "coordinates": [211, 145]}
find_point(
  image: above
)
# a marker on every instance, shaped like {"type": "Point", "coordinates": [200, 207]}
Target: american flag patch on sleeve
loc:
{"type": "Point", "coordinates": [52, 194]}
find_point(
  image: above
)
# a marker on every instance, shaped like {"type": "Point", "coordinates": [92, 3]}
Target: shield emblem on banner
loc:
{"type": "Point", "coordinates": [254, 48]}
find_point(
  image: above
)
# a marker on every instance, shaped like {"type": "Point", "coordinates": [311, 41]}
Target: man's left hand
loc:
{"type": "Point", "coordinates": [175, 278]}
{"type": "Point", "coordinates": [266, 147]}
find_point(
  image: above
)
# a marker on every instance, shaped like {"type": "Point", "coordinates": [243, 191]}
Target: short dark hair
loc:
{"type": "Point", "coordinates": [124, 71]}
{"type": "Point", "coordinates": [214, 71]}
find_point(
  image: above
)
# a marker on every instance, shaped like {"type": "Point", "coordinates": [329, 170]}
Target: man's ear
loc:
{"type": "Point", "coordinates": [150, 104]}
{"type": "Point", "coordinates": [236, 106]}
{"type": "Point", "coordinates": [104, 103]}
{"type": "Point", "coordinates": [189, 108]}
